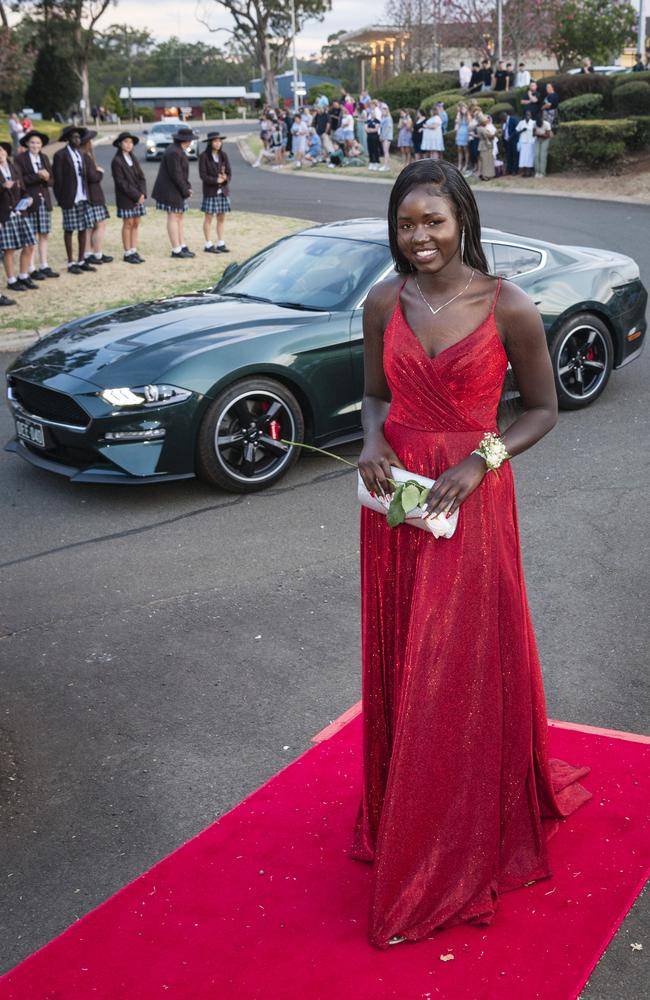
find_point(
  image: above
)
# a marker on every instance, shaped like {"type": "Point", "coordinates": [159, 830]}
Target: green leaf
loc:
{"type": "Point", "coordinates": [395, 514]}
{"type": "Point", "coordinates": [410, 496]}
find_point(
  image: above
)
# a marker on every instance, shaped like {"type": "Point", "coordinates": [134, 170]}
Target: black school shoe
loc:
{"type": "Point", "coordinates": [36, 275]}
{"type": "Point", "coordinates": [211, 249]}
{"type": "Point", "coordinates": [139, 259]}
{"type": "Point", "coordinates": [47, 272]}
{"type": "Point", "coordinates": [104, 259]}
{"type": "Point", "coordinates": [179, 255]}
{"type": "Point", "coordinates": [28, 283]}
{"type": "Point", "coordinates": [223, 249]}
{"type": "Point", "coordinates": [131, 258]}
{"type": "Point", "coordinates": [186, 252]}
{"type": "Point", "coordinates": [16, 286]}
{"type": "Point", "coordinates": [4, 301]}
{"type": "Point", "coordinates": [74, 269]}
{"type": "Point", "coordinates": [86, 266]}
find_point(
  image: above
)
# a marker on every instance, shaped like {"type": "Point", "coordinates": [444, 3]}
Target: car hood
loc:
{"type": "Point", "coordinates": [158, 334]}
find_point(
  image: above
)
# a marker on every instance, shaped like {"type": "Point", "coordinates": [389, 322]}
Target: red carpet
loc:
{"type": "Point", "coordinates": [265, 903]}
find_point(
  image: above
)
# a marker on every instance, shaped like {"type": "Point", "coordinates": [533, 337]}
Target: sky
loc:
{"type": "Point", "coordinates": [164, 18]}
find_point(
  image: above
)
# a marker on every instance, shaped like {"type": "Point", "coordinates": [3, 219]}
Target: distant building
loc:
{"type": "Point", "coordinates": [284, 81]}
{"type": "Point", "coordinates": [187, 100]}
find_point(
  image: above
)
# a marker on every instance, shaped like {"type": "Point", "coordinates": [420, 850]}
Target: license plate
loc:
{"type": "Point", "coordinates": [30, 431]}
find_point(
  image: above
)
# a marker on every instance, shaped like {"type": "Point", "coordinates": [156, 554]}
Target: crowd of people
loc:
{"type": "Point", "coordinates": [362, 131]}
{"type": "Point", "coordinates": [28, 179]}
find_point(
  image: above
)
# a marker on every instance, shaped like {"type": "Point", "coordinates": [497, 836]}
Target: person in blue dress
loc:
{"type": "Point", "coordinates": [461, 128]}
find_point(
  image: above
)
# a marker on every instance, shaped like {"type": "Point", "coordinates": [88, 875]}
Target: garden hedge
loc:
{"type": "Point", "coordinates": [632, 98]}
{"type": "Point", "coordinates": [568, 85]}
{"type": "Point", "coordinates": [592, 143]}
{"type": "Point", "coordinates": [619, 79]}
{"type": "Point", "coordinates": [581, 107]}
{"type": "Point", "coordinates": [642, 134]}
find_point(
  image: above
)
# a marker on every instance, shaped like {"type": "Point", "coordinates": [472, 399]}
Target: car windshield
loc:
{"type": "Point", "coordinates": [170, 128]}
{"type": "Point", "coordinates": [309, 272]}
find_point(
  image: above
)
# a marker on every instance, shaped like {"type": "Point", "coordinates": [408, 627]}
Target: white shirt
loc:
{"type": "Point", "coordinates": [6, 171]}
{"type": "Point", "coordinates": [522, 78]}
{"type": "Point", "coordinates": [36, 162]}
{"type": "Point", "coordinates": [75, 156]}
{"type": "Point", "coordinates": [464, 76]}
{"type": "Point", "coordinates": [127, 158]}
{"type": "Point", "coordinates": [526, 130]}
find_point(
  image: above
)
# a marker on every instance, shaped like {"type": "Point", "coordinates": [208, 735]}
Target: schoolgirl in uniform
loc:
{"type": "Point", "coordinates": [172, 189]}
{"type": "Point", "coordinates": [97, 212]}
{"type": "Point", "coordinates": [215, 172]}
{"type": "Point", "coordinates": [16, 232]}
{"type": "Point", "coordinates": [130, 193]}
{"type": "Point", "coordinates": [71, 192]}
{"type": "Point", "coordinates": [37, 178]}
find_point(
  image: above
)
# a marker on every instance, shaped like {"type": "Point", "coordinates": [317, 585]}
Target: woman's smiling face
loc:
{"type": "Point", "coordinates": [427, 230]}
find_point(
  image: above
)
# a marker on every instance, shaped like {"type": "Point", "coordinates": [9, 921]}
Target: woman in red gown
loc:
{"type": "Point", "coordinates": [459, 795]}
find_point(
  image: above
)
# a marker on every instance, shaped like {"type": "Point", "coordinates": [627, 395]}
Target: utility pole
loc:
{"type": "Point", "coordinates": [640, 40]}
{"type": "Point", "coordinates": [296, 100]}
{"type": "Point", "coordinates": [180, 64]}
{"type": "Point", "coordinates": [129, 79]}
{"type": "Point", "coordinates": [499, 52]}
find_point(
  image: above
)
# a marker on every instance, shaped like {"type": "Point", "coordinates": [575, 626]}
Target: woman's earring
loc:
{"type": "Point", "coordinates": [462, 244]}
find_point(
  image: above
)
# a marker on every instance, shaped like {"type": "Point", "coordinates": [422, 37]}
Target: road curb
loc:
{"type": "Point", "coordinates": [248, 156]}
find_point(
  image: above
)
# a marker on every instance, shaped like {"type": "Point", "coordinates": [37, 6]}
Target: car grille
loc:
{"type": "Point", "coordinates": [48, 404]}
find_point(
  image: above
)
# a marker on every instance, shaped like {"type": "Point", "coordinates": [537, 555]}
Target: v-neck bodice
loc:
{"type": "Point", "coordinates": [456, 389]}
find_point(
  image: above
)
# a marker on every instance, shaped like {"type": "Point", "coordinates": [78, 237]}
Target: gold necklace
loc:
{"type": "Point", "coordinates": [428, 304]}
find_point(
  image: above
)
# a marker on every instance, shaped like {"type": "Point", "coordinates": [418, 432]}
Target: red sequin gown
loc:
{"type": "Point", "coordinates": [459, 796]}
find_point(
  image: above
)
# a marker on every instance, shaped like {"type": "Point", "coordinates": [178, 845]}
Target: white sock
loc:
{"type": "Point", "coordinates": [11, 281]}
{"type": "Point", "coordinates": [221, 243]}
{"type": "Point", "coordinates": [88, 254]}
{"type": "Point", "coordinates": [128, 253]}
{"type": "Point", "coordinates": [98, 256]}
{"type": "Point", "coordinates": [80, 262]}
{"type": "Point", "coordinates": [72, 263]}
{"type": "Point", "coordinates": [44, 265]}
{"type": "Point", "coordinates": [22, 276]}
{"type": "Point", "coordinates": [209, 244]}
{"type": "Point", "coordinates": [177, 249]}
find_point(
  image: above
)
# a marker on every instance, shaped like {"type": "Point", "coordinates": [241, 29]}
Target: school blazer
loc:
{"type": "Point", "coordinates": [35, 186]}
{"type": "Point", "coordinates": [129, 182]}
{"type": "Point", "coordinates": [209, 170]}
{"type": "Point", "coordinates": [9, 197]}
{"type": "Point", "coordinates": [65, 177]}
{"type": "Point", "coordinates": [172, 185]}
{"type": "Point", "coordinates": [94, 177]}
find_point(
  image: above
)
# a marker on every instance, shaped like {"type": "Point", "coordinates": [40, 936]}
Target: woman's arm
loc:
{"type": "Point", "coordinates": [377, 456]}
{"type": "Point", "coordinates": [525, 343]}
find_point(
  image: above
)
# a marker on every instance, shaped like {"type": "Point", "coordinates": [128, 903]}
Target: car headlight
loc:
{"type": "Point", "coordinates": [146, 395]}
{"type": "Point", "coordinates": [151, 144]}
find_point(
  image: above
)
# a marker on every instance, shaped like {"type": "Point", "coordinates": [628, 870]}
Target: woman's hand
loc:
{"type": "Point", "coordinates": [375, 461]}
{"type": "Point", "coordinates": [454, 485]}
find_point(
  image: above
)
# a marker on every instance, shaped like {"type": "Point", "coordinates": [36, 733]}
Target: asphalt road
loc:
{"type": "Point", "coordinates": [165, 650]}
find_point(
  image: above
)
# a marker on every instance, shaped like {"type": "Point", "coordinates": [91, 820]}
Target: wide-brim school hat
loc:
{"type": "Point", "coordinates": [87, 135]}
{"type": "Point", "coordinates": [184, 135]}
{"type": "Point", "coordinates": [7, 148]}
{"type": "Point", "coordinates": [69, 129]}
{"type": "Point", "coordinates": [24, 139]}
{"type": "Point", "coordinates": [213, 135]}
{"type": "Point", "coordinates": [125, 135]}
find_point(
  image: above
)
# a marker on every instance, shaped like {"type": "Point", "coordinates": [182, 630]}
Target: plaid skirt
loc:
{"type": "Point", "coordinates": [131, 213]}
{"type": "Point", "coordinates": [16, 233]}
{"type": "Point", "coordinates": [41, 219]}
{"type": "Point", "coordinates": [76, 218]}
{"type": "Point", "coordinates": [171, 208]}
{"type": "Point", "coordinates": [215, 204]}
{"type": "Point", "coordinates": [95, 214]}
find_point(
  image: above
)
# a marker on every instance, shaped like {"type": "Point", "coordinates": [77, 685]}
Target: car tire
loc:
{"type": "Point", "coordinates": [238, 443]}
{"type": "Point", "coordinates": [582, 352]}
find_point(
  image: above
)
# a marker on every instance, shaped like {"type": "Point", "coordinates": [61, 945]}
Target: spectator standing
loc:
{"type": "Point", "coordinates": [386, 136]}
{"type": "Point", "coordinates": [373, 125]}
{"type": "Point", "coordinates": [444, 117]}
{"type": "Point", "coordinates": [522, 78]}
{"type": "Point", "coordinates": [364, 98]}
{"type": "Point", "coordinates": [299, 131]}
{"type": "Point", "coordinates": [501, 77]}
{"type": "Point", "coordinates": [485, 76]}
{"type": "Point", "coordinates": [475, 79]}
{"type": "Point", "coordinates": [333, 118]}
{"type": "Point", "coordinates": [278, 143]}
{"type": "Point", "coordinates": [526, 144]}
{"type": "Point", "coordinates": [71, 193]}
{"type": "Point", "coordinates": [511, 138]}
{"type": "Point", "coordinates": [587, 66]}
{"type": "Point", "coordinates": [486, 135]}
{"type": "Point", "coordinates": [433, 142]}
{"type": "Point", "coordinates": [360, 127]}
{"type": "Point", "coordinates": [16, 132]}
{"type": "Point", "coordinates": [418, 125]}
{"type": "Point", "coordinates": [26, 124]}
{"type": "Point", "coordinates": [172, 189]}
{"type": "Point", "coordinates": [130, 193]}
{"type": "Point", "coordinates": [37, 179]}
{"type": "Point", "coordinates": [97, 212]}
{"type": "Point", "coordinates": [531, 99]}
{"type": "Point", "coordinates": [464, 76]}
{"type": "Point", "coordinates": [473, 112]}
{"type": "Point", "coordinates": [542, 133]}
{"type": "Point", "coordinates": [16, 233]}
{"type": "Point", "coordinates": [638, 65]}
{"type": "Point", "coordinates": [215, 173]}
{"type": "Point", "coordinates": [510, 74]}
{"type": "Point", "coordinates": [346, 131]}
{"type": "Point", "coordinates": [405, 137]}
{"type": "Point", "coordinates": [461, 130]}
{"type": "Point", "coordinates": [348, 103]}
{"type": "Point", "coordinates": [551, 105]}
{"type": "Point", "coordinates": [319, 120]}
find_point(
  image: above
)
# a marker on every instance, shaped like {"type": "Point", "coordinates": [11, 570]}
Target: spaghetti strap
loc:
{"type": "Point", "coordinates": [496, 296]}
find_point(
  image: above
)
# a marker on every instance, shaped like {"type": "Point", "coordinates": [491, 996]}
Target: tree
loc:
{"type": "Point", "coordinates": [526, 25]}
{"type": "Point", "coordinates": [476, 24]}
{"type": "Point", "coordinates": [415, 19]}
{"type": "Point", "coordinates": [342, 60]}
{"type": "Point", "coordinates": [264, 29]}
{"type": "Point", "coordinates": [52, 88]}
{"type": "Point", "coordinates": [599, 29]}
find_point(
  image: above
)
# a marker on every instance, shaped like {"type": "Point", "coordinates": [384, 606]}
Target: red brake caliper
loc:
{"type": "Point", "coordinates": [274, 428]}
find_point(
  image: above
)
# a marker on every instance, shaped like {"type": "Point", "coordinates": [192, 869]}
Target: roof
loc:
{"type": "Point", "coordinates": [184, 93]}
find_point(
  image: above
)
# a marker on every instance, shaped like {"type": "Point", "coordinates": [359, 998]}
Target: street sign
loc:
{"type": "Point", "coordinates": [300, 87]}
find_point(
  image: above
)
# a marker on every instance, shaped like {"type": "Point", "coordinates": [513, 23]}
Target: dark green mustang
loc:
{"type": "Point", "coordinates": [212, 383]}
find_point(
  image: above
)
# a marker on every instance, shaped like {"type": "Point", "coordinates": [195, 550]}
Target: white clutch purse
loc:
{"type": "Point", "coordinates": [440, 526]}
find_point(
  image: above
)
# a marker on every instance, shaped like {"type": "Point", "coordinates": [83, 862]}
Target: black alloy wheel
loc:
{"type": "Point", "coordinates": [583, 355]}
{"type": "Point", "coordinates": [239, 445]}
